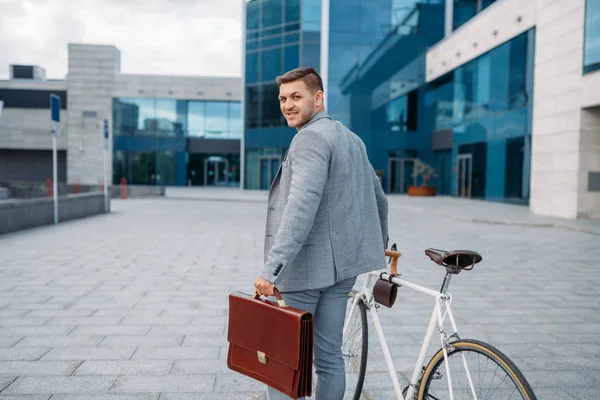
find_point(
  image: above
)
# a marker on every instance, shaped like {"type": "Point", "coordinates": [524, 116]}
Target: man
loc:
{"type": "Point", "coordinates": [326, 223]}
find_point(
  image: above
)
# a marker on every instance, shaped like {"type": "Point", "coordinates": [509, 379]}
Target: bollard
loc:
{"type": "Point", "coordinates": [76, 187]}
{"type": "Point", "coordinates": [123, 188]}
{"type": "Point", "coordinates": [49, 187]}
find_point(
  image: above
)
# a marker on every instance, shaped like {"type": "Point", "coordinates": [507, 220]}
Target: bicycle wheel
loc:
{"type": "Point", "coordinates": [354, 348]}
{"type": "Point", "coordinates": [493, 375]}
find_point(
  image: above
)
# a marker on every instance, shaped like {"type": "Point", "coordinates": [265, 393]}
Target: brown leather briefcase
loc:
{"type": "Point", "coordinates": [271, 343]}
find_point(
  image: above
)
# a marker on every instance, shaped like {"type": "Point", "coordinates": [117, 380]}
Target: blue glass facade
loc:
{"type": "Point", "coordinates": [473, 125]}
{"type": "Point", "coordinates": [491, 122]}
{"type": "Point", "coordinates": [280, 36]}
{"type": "Point", "coordinates": [151, 141]}
{"type": "Point", "coordinates": [591, 51]}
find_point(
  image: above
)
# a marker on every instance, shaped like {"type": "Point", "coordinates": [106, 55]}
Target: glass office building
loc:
{"type": "Point", "coordinates": [591, 49]}
{"type": "Point", "coordinates": [280, 35]}
{"type": "Point", "coordinates": [473, 125]}
{"type": "Point", "coordinates": [176, 142]}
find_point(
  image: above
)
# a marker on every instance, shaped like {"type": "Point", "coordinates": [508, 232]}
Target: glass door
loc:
{"type": "Point", "coordinates": [400, 174]}
{"type": "Point", "coordinates": [268, 167]}
{"type": "Point", "coordinates": [464, 175]}
{"type": "Point", "coordinates": [216, 171]}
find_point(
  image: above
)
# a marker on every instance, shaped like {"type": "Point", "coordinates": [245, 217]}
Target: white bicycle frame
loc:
{"type": "Point", "coordinates": [442, 299]}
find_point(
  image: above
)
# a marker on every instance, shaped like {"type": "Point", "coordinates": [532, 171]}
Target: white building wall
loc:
{"type": "Point", "coordinates": [92, 72]}
{"type": "Point", "coordinates": [563, 135]}
{"type": "Point", "coordinates": [30, 129]}
{"type": "Point", "coordinates": [27, 128]}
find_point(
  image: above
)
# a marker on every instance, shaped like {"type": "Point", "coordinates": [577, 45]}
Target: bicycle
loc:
{"type": "Point", "coordinates": [433, 381]}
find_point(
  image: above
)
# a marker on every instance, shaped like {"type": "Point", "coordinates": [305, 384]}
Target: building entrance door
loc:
{"type": "Point", "coordinates": [268, 167]}
{"type": "Point", "coordinates": [216, 171]}
{"type": "Point", "coordinates": [400, 174]}
{"type": "Point", "coordinates": [464, 175]}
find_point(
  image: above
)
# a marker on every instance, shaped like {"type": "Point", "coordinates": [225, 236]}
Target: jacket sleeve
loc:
{"type": "Point", "coordinates": [309, 159]}
{"type": "Point", "coordinates": [382, 207]}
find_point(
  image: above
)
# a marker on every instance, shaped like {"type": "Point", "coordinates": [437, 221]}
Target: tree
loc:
{"type": "Point", "coordinates": [424, 170]}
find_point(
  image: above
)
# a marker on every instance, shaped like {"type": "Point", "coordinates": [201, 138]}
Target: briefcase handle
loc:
{"type": "Point", "coordinates": [277, 295]}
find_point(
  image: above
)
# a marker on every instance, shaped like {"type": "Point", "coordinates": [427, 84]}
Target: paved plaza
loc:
{"type": "Point", "coordinates": [133, 304]}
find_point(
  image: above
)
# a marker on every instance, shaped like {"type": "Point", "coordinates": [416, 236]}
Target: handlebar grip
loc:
{"type": "Point", "coordinates": [395, 256]}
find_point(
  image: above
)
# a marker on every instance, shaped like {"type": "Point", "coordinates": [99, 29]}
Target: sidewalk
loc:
{"type": "Point", "coordinates": [487, 212]}
{"type": "Point", "coordinates": [466, 210]}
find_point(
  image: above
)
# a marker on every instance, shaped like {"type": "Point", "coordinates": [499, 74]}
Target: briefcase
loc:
{"type": "Point", "coordinates": [271, 343]}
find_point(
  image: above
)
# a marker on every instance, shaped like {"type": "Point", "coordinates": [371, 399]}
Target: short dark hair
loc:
{"type": "Point", "coordinates": [308, 75]}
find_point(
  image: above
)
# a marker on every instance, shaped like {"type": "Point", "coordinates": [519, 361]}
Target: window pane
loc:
{"type": "Point", "coordinates": [216, 118]}
{"type": "Point", "coordinates": [292, 57]}
{"type": "Point", "coordinates": [311, 56]}
{"type": "Point", "coordinates": [134, 116]}
{"type": "Point", "coordinates": [397, 114]}
{"type": "Point", "coordinates": [165, 117]}
{"type": "Point", "coordinates": [591, 53]}
{"type": "Point", "coordinates": [271, 13]}
{"type": "Point", "coordinates": [235, 120]}
{"type": "Point", "coordinates": [292, 10]}
{"type": "Point", "coordinates": [311, 15]}
{"type": "Point", "coordinates": [252, 15]}
{"type": "Point", "coordinates": [196, 118]}
{"type": "Point", "coordinates": [252, 67]}
{"type": "Point", "coordinates": [271, 41]}
{"type": "Point", "coordinates": [292, 38]}
{"type": "Point", "coordinates": [464, 10]}
{"type": "Point", "coordinates": [125, 117]}
{"type": "Point", "coordinates": [271, 114]}
{"type": "Point", "coordinates": [271, 65]}
{"type": "Point", "coordinates": [252, 107]}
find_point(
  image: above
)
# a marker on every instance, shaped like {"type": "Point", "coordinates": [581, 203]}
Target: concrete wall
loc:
{"type": "Point", "coordinates": [92, 71]}
{"type": "Point", "coordinates": [26, 128]}
{"type": "Point", "coordinates": [588, 204]}
{"type": "Point", "coordinates": [177, 87]}
{"type": "Point", "coordinates": [16, 215]}
{"type": "Point", "coordinates": [561, 130]}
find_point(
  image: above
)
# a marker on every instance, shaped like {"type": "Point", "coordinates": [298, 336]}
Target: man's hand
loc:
{"type": "Point", "coordinates": [264, 287]}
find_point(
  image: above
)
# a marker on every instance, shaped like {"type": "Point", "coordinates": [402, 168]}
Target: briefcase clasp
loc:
{"type": "Point", "coordinates": [262, 358]}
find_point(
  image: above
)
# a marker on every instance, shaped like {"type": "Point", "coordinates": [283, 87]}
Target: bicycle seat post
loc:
{"type": "Point", "coordinates": [446, 283]}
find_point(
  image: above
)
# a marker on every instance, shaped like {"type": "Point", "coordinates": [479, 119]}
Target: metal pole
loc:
{"type": "Point", "coordinates": [54, 177]}
{"type": "Point", "coordinates": [105, 175]}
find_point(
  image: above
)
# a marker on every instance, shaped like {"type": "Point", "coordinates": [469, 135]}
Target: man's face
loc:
{"type": "Point", "coordinates": [298, 104]}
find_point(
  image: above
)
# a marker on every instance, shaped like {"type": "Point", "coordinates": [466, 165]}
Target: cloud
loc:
{"type": "Point", "coordinates": [173, 37]}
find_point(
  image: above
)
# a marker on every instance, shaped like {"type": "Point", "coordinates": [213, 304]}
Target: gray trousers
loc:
{"type": "Point", "coordinates": [328, 306]}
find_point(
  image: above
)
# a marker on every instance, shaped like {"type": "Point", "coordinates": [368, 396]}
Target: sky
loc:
{"type": "Point", "coordinates": [164, 37]}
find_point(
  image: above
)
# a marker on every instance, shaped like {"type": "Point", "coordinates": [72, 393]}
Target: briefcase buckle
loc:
{"type": "Point", "coordinates": [262, 358]}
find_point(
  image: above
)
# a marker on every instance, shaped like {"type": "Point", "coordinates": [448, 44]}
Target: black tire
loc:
{"type": "Point", "coordinates": [355, 368]}
{"type": "Point", "coordinates": [489, 353]}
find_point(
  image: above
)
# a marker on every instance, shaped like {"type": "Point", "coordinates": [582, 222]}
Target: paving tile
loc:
{"type": "Point", "coordinates": [34, 368]}
{"type": "Point", "coordinates": [176, 353]}
{"type": "Point", "coordinates": [170, 383]}
{"type": "Point", "coordinates": [89, 353]}
{"type": "Point", "coordinates": [60, 384]}
{"type": "Point", "coordinates": [127, 367]}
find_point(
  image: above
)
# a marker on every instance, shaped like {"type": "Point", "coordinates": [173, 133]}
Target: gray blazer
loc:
{"type": "Point", "coordinates": [327, 212]}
